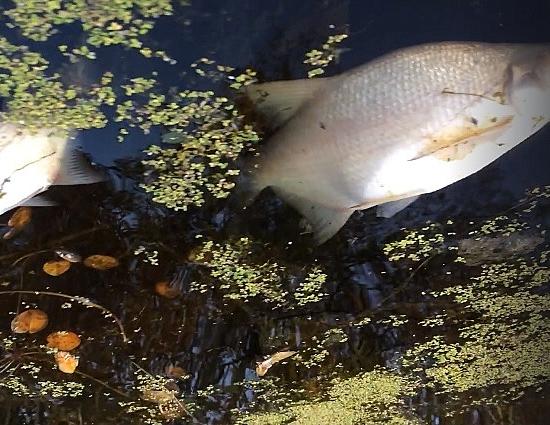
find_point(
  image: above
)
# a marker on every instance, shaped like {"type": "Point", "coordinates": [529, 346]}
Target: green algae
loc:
{"type": "Point", "coordinates": [486, 345]}
{"type": "Point", "coordinates": [375, 397]}
{"type": "Point", "coordinates": [235, 270]}
{"type": "Point", "coordinates": [36, 99]}
{"type": "Point", "coordinates": [318, 59]}
{"type": "Point", "coordinates": [104, 22]}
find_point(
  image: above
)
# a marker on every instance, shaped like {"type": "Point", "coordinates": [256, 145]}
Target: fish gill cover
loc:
{"type": "Point", "coordinates": [470, 302]}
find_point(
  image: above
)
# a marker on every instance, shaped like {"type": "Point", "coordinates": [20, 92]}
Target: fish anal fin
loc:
{"type": "Point", "coordinates": [391, 208]}
{"type": "Point", "coordinates": [278, 101]}
{"type": "Point", "coordinates": [325, 221]}
{"type": "Point", "coordinates": [457, 141]}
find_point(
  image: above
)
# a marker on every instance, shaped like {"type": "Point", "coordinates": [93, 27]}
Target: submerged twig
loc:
{"type": "Point", "coordinates": [77, 298]}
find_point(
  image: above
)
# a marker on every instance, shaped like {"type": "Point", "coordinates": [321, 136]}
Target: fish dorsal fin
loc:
{"type": "Point", "coordinates": [75, 168]}
{"type": "Point", "coordinates": [325, 221]}
{"type": "Point", "coordinates": [278, 101]}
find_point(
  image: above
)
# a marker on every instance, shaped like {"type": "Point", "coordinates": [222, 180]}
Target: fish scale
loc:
{"type": "Point", "coordinates": [411, 122]}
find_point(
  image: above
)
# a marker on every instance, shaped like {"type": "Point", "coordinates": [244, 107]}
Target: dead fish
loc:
{"type": "Point", "coordinates": [31, 161]}
{"type": "Point", "coordinates": [410, 122]}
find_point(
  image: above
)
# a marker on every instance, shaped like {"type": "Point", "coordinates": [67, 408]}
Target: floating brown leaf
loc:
{"type": "Point", "coordinates": [164, 289]}
{"type": "Point", "coordinates": [263, 367]}
{"type": "Point", "coordinates": [66, 362]}
{"type": "Point", "coordinates": [101, 262]}
{"type": "Point", "coordinates": [56, 267]}
{"type": "Point", "coordinates": [63, 340]}
{"type": "Point", "coordinates": [19, 219]}
{"type": "Point", "coordinates": [175, 371]}
{"type": "Point", "coordinates": [29, 321]}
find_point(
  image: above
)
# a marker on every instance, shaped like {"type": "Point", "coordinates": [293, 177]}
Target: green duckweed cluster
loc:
{"type": "Point", "coordinates": [318, 59]}
{"type": "Point", "coordinates": [36, 99]}
{"type": "Point", "coordinates": [505, 344]}
{"type": "Point", "coordinates": [498, 315]}
{"type": "Point", "coordinates": [374, 397]}
{"type": "Point", "coordinates": [104, 22]}
{"type": "Point", "coordinates": [416, 245]}
{"type": "Point", "coordinates": [209, 134]}
{"type": "Point", "coordinates": [239, 276]}
{"type": "Point", "coordinates": [30, 378]}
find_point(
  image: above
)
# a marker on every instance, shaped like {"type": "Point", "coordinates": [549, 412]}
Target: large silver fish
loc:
{"type": "Point", "coordinates": [410, 122]}
{"type": "Point", "coordinates": [32, 161]}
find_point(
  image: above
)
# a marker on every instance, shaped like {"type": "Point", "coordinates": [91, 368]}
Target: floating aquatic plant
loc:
{"type": "Point", "coordinates": [36, 99]}
{"type": "Point", "coordinates": [208, 134]}
{"type": "Point", "coordinates": [375, 397]}
{"type": "Point", "coordinates": [104, 22]}
{"type": "Point", "coordinates": [318, 59]}
{"type": "Point", "coordinates": [239, 275]}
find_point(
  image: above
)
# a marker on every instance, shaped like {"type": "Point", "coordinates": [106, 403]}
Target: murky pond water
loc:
{"type": "Point", "coordinates": [199, 312]}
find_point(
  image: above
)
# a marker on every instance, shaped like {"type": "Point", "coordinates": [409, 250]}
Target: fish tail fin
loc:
{"type": "Point", "coordinates": [75, 168]}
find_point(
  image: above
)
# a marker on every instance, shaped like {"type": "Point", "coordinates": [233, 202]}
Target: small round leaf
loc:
{"type": "Point", "coordinates": [101, 262]}
{"type": "Point", "coordinates": [29, 321]}
{"type": "Point", "coordinates": [56, 267]}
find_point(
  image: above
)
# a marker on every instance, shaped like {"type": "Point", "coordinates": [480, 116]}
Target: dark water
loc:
{"type": "Point", "coordinates": [217, 342]}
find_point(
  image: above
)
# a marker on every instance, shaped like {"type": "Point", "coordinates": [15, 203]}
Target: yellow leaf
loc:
{"type": "Point", "coordinates": [20, 218]}
{"type": "Point", "coordinates": [66, 362]}
{"type": "Point", "coordinates": [63, 340]}
{"type": "Point", "coordinates": [30, 321]}
{"type": "Point", "coordinates": [263, 367]}
{"type": "Point", "coordinates": [164, 289]}
{"type": "Point", "coordinates": [175, 371]}
{"type": "Point", "coordinates": [56, 267]}
{"type": "Point", "coordinates": [101, 262]}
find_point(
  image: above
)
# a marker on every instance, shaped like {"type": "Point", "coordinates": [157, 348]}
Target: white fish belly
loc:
{"type": "Point", "coordinates": [401, 175]}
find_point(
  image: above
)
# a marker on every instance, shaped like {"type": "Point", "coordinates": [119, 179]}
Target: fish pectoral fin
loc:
{"type": "Point", "coordinates": [457, 141]}
{"type": "Point", "coordinates": [75, 169]}
{"type": "Point", "coordinates": [389, 209]}
{"type": "Point", "coordinates": [278, 101]}
{"type": "Point", "coordinates": [325, 221]}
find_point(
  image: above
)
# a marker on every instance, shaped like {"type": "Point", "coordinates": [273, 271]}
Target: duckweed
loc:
{"type": "Point", "coordinates": [375, 397]}
{"type": "Point", "coordinates": [318, 59]}
{"type": "Point", "coordinates": [36, 99]}
{"type": "Point", "coordinates": [236, 273]}
{"type": "Point", "coordinates": [105, 22]}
